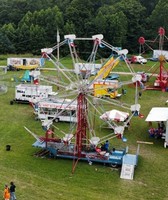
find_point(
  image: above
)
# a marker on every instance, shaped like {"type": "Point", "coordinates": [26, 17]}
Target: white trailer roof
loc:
{"type": "Point", "coordinates": [33, 86]}
{"type": "Point", "coordinates": [157, 114]}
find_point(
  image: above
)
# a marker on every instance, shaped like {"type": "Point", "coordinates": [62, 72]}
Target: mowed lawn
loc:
{"type": "Point", "coordinates": [45, 179]}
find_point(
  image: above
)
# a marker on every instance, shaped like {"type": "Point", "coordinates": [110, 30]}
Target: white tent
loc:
{"type": "Point", "coordinates": [157, 114]}
{"type": "Point", "coordinates": [114, 115]}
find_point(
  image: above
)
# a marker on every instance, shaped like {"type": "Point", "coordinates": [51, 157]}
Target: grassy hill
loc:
{"type": "Point", "coordinates": [44, 178]}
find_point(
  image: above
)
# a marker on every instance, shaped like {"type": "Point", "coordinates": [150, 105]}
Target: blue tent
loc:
{"type": "Point", "coordinates": [26, 77]}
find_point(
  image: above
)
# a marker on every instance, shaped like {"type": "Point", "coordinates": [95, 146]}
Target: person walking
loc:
{"type": "Point", "coordinates": [6, 194]}
{"type": "Point", "coordinates": [12, 191]}
{"type": "Point", "coordinates": [106, 145]}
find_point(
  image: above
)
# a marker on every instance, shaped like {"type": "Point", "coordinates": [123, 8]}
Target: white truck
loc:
{"type": "Point", "coordinates": [138, 59]}
{"type": "Point", "coordinates": [24, 93]}
{"type": "Point", "coordinates": [158, 53]}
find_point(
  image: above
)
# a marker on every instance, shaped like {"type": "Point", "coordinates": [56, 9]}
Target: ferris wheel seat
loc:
{"type": "Point", "coordinates": [102, 153]}
{"type": "Point", "coordinates": [94, 140]}
{"type": "Point", "coordinates": [119, 130]}
{"type": "Point", "coordinates": [123, 52]}
{"type": "Point", "coordinates": [135, 107]}
{"type": "Point", "coordinates": [107, 154]}
{"type": "Point", "coordinates": [46, 124]}
{"type": "Point", "coordinates": [98, 36]}
{"type": "Point", "coordinates": [47, 50]}
{"type": "Point", "coordinates": [67, 137]}
{"type": "Point", "coordinates": [70, 36]}
{"type": "Point", "coordinates": [137, 78]}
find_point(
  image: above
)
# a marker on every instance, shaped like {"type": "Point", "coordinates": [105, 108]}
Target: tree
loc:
{"type": "Point", "coordinates": [159, 16]}
{"type": "Point", "coordinates": [5, 44]}
{"type": "Point", "coordinates": [40, 26]}
{"type": "Point", "coordinates": [14, 10]}
{"type": "Point", "coordinates": [134, 13]}
{"type": "Point", "coordinates": [121, 22]}
{"type": "Point", "coordinates": [9, 33]}
{"type": "Point", "coordinates": [79, 12]}
{"type": "Point", "coordinates": [149, 5]}
{"type": "Point", "coordinates": [112, 24]}
{"type": "Point", "coordinates": [37, 38]}
{"type": "Point", "coordinates": [23, 43]}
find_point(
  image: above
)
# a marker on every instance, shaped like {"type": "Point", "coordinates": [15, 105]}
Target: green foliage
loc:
{"type": "Point", "coordinates": [121, 22]}
{"type": "Point", "coordinates": [134, 13]}
{"type": "Point", "coordinates": [149, 5]}
{"type": "Point", "coordinates": [113, 24]}
{"type": "Point", "coordinates": [159, 17]}
{"type": "Point", "coordinates": [5, 44]}
{"type": "Point", "coordinates": [80, 11]}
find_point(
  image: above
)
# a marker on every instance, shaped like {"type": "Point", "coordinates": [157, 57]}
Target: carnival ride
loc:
{"type": "Point", "coordinates": [161, 81]}
{"type": "Point", "coordinates": [82, 143]}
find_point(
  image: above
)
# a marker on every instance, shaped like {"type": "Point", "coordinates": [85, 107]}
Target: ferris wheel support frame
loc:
{"type": "Point", "coordinates": [78, 150]}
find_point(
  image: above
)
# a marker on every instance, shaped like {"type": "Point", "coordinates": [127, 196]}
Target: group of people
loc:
{"type": "Point", "coordinates": [157, 132]}
{"type": "Point", "coordinates": [105, 146]}
{"type": "Point", "coordinates": [9, 192]}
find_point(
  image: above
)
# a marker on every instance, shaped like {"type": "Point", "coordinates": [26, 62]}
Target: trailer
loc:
{"type": "Point", "coordinates": [24, 93]}
{"type": "Point", "coordinates": [106, 88]}
{"type": "Point", "coordinates": [57, 109]}
{"type": "Point", "coordinates": [24, 63]}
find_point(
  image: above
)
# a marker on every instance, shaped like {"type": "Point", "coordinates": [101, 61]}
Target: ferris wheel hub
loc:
{"type": "Point", "coordinates": [161, 58]}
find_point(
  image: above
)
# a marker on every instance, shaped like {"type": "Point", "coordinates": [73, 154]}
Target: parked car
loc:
{"type": "Point", "coordinates": [138, 59]}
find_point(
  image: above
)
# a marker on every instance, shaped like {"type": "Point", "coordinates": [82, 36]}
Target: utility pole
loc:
{"type": "Point", "coordinates": [58, 41]}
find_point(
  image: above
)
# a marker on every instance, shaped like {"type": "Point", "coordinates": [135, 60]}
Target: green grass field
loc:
{"type": "Point", "coordinates": [45, 179]}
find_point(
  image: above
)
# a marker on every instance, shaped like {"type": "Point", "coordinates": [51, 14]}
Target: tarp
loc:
{"type": "Point", "coordinates": [26, 76]}
{"type": "Point", "coordinates": [157, 114]}
{"type": "Point", "coordinates": [39, 144]}
{"type": "Point", "coordinates": [114, 115]}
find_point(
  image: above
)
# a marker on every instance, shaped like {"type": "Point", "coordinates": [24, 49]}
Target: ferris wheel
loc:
{"type": "Point", "coordinates": [77, 84]}
{"type": "Point", "coordinates": [160, 56]}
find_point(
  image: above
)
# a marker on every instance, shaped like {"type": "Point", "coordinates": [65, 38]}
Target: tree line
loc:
{"type": "Point", "coordinates": [26, 26]}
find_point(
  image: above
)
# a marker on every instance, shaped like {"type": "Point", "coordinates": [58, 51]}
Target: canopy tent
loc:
{"type": "Point", "coordinates": [157, 114]}
{"type": "Point", "coordinates": [114, 115]}
{"type": "Point", "coordinates": [26, 76]}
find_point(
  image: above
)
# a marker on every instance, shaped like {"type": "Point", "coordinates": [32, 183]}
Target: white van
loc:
{"type": "Point", "coordinates": [138, 59]}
